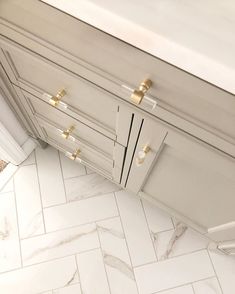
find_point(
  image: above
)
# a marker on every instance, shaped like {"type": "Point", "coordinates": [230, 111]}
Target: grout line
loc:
{"type": "Point", "coordinates": [74, 177]}
{"type": "Point", "coordinates": [173, 223]}
{"type": "Point", "coordinates": [72, 227]}
{"type": "Point", "coordinates": [17, 220]}
{"type": "Point", "coordinates": [85, 170]}
{"type": "Point", "coordinates": [78, 200]}
{"type": "Point", "coordinates": [80, 282]}
{"type": "Point", "coordinates": [193, 288]}
{"type": "Point", "coordinates": [10, 191]}
{"type": "Point", "coordinates": [26, 164]}
{"type": "Point", "coordinates": [60, 230]}
{"type": "Point", "coordinates": [55, 289]}
{"type": "Point", "coordinates": [62, 175]}
{"type": "Point", "coordinates": [101, 249]}
{"type": "Point", "coordinates": [214, 270]}
{"type": "Point", "coordinates": [48, 260]}
{"type": "Point", "coordinates": [22, 164]}
{"type": "Point", "coordinates": [39, 186]}
{"type": "Point", "coordinates": [165, 231]}
{"type": "Point", "coordinates": [182, 285]}
{"type": "Point", "coordinates": [173, 257]}
{"type": "Point", "coordinates": [150, 232]}
{"type": "Point", "coordinates": [128, 250]}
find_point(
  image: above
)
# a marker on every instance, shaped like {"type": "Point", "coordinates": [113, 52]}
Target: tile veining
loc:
{"type": "Point", "coordinates": [60, 243]}
{"type": "Point", "coordinates": [177, 233]}
{"type": "Point", "coordinates": [98, 240]}
{"type": "Point", "coordinates": [118, 264]}
{"type": "Point", "coordinates": [5, 231]}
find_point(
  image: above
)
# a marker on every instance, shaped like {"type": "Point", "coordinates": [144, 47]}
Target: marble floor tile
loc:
{"type": "Point", "coordinates": [29, 160]}
{"type": "Point", "coordinates": [8, 187]}
{"type": "Point", "coordinates": [9, 238]}
{"type": "Point", "coordinates": [28, 201]}
{"type": "Point", "coordinates": [136, 229]}
{"type": "Point", "coordinates": [181, 240]}
{"type": "Point", "coordinates": [208, 286]}
{"type": "Point", "coordinates": [41, 277]}
{"type": "Point", "coordinates": [103, 240]}
{"type": "Point", "coordinates": [50, 177]}
{"type": "Point", "coordinates": [179, 290]}
{"type": "Point", "coordinates": [88, 186]}
{"type": "Point", "coordinates": [71, 168]}
{"type": "Point", "coordinates": [173, 272]}
{"type": "Point", "coordinates": [7, 174]}
{"type": "Point", "coordinates": [225, 269]}
{"type": "Point", "coordinates": [80, 212]}
{"type": "Point", "coordinates": [73, 289]}
{"type": "Point", "coordinates": [92, 272]}
{"type": "Point", "coordinates": [116, 257]}
{"type": "Point", "coordinates": [157, 219]}
{"type": "Point", "coordinates": [59, 244]}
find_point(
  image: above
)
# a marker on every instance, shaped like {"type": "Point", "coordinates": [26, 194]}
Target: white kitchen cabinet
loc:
{"type": "Point", "coordinates": [185, 176]}
{"type": "Point", "coordinates": [74, 85]}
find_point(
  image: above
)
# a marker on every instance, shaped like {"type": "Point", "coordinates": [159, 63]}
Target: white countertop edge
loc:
{"type": "Point", "coordinates": [148, 41]}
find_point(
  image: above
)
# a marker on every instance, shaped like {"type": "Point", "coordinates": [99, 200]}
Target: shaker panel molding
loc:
{"type": "Point", "coordinates": [141, 122]}
{"type": "Point", "coordinates": [184, 175]}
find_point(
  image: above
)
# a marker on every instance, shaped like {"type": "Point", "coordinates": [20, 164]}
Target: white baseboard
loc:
{"type": "Point", "coordinates": [29, 146]}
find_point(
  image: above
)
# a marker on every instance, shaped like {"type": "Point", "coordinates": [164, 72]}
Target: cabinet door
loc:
{"type": "Point", "coordinates": [186, 177]}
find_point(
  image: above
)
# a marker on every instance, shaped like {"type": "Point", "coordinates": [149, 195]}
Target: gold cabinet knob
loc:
{"type": "Point", "coordinates": [138, 94]}
{"type": "Point", "coordinates": [57, 99]}
{"type": "Point", "coordinates": [65, 134]}
{"type": "Point", "coordinates": [74, 155]}
{"type": "Point", "coordinates": [142, 155]}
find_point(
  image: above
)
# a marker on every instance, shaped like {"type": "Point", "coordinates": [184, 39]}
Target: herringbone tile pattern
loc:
{"type": "Point", "coordinates": [67, 230]}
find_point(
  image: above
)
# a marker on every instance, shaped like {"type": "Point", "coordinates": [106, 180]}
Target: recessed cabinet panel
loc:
{"type": "Point", "coordinates": [87, 153]}
{"type": "Point", "coordinates": [185, 176]}
{"type": "Point", "coordinates": [98, 152]}
{"type": "Point", "coordinates": [71, 127]}
{"type": "Point", "coordinates": [86, 47]}
{"type": "Point", "coordinates": [30, 71]}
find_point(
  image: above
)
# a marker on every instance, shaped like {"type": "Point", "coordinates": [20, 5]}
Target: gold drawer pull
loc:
{"type": "Point", "coordinates": [67, 133]}
{"type": "Point", "coordinates": [74, 155]}
{"type": "Point", "coordinates": [56, 99]}
{"type": "Point", "coordinates": [142, 155]}
{"type": "Point", "coordinates": [138, 96]}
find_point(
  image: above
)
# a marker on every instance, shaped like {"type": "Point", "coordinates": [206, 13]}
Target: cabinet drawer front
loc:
{"type": "Point", "coordinates": [88, 154]}
{"type": "Point", "coordinates": [185, 176]}
{"type": "Point", "coordinates": [176, 91]}
{"type": "Point", "coordinates": [62, 121]}
{"type": "Point", "coordinates": [83, 98]}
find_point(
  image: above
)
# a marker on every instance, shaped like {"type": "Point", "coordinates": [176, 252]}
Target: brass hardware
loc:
{"type": "Point", "coordinates": [55, 100]}
{"type": "Point", "coordinates": [138, 94]}
{"type": "Point", "coordinates": [75, 154]}
{"type": "Point", "coordinates": [142, 154]}
{"type": "Point", "coordinates": [66, 134]}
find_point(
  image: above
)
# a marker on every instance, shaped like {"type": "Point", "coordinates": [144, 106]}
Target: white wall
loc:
{"type": "Point", "coordinates": [8, 119]}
